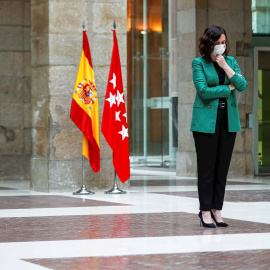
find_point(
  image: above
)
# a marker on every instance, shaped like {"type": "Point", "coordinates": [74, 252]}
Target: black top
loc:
{"type": "Point", "coordinates": [221, 76]}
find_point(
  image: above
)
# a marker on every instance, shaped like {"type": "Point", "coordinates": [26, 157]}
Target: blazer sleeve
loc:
{"type": "Point", "coordinates": [204, 91]}
{"type": "Point", "coordinates": [238, 82]}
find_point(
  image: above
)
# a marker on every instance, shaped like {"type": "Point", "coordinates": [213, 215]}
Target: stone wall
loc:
{"type": "Point", "coordinates": [56, 49]}
{"type": "Point", "coordinates": [15, 90]}
{"type": "Point", "coordinates": [193, 17]}
{"type": "Point", "coordinates": [35, 101]}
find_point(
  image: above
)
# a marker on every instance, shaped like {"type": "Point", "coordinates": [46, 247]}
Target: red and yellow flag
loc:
{"type": "Point", "coordinates": [84, 107]}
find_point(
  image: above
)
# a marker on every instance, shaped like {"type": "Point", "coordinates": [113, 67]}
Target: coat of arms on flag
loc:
{"type": "Point", "coordinates": [87, 92]}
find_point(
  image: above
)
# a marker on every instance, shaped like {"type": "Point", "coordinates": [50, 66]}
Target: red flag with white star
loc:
{"type": "Point", "coordinates": [114, 120]}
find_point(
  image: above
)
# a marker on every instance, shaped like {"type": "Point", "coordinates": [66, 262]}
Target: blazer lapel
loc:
{"type": "Point", "coordinates": [211, 68]}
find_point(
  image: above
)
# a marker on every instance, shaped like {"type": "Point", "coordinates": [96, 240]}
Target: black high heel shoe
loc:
{"type": "Point", "coordinates": [219, 224]}
{"type": "Point", "coordinates": [208, 225]}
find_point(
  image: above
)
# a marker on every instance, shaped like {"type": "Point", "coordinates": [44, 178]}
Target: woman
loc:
{"type": "Point", "coordinates": [215, 120]}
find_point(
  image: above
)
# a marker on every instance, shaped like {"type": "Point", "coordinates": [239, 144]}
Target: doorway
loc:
{"type": "Point", "coordinates": [261, 111]}
{"type": "Point", "coordinates": [152, 110]}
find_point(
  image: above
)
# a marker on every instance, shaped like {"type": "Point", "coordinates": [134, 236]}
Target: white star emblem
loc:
{"type": "Point", "coordinates": [117, 118]}
{"type": "Point", "coordinates": [123, 132]}
{"type": "Point", "coordinates": [119, 98]}
{"type": "Point", "coordinates": [113, 81]}
{"type": "Point", "coordinates": [125, 115]}
{"type": "Point", "coordinates": [111, 99]}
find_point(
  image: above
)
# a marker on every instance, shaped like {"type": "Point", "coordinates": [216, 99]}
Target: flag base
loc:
{"type": "Point", "coordinates": [83, 191]}
{"type": "Point", "coordinates": [115, 190]}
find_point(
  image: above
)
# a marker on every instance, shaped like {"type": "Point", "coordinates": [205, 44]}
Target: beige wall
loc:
{"type": "Point", "coordinates": [193, 17]}
{"type": "Point", "coordinates": [36, 97]}
{"type": "Point", "coordinates": [15, 90]}
{"type": "Point", "coordinates": [56, 49]}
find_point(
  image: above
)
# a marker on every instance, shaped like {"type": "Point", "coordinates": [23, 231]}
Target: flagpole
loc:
{"type": "Point", "coordinates": [83, 190]}
{"type": "Point", "coordinates": [115, 189]}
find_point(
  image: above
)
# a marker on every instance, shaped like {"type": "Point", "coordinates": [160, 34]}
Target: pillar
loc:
{"type": "Point", "coordinates": [193, 17]}
{"type": "Point", "coordinates": [56, 163]}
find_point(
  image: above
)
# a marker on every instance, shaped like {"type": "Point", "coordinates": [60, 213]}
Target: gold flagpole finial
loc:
{"type": "Point", "coordinates": [83, 24]}
{"type": "Point", "coordinates": [114, 25]}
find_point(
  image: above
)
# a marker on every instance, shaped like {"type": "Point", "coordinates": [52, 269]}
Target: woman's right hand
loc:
{"type": "Point", "coordinates": [231, 86]}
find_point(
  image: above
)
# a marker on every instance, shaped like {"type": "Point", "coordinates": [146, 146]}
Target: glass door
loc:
{"type": "Point", "coordinates": [150, 103]}
{"type": "Point", "coordinates": [264, 112]}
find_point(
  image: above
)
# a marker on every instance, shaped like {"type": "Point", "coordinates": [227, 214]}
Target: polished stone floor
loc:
{"type": "Point", "coordinates": [154, 226]}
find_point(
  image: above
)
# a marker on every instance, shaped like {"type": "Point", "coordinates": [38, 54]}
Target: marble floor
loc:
{"type": "Point", "coordinates": [154, 226]}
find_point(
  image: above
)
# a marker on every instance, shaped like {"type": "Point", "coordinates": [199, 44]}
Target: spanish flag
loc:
{"type": "Point", "coordinates": [84, 107]}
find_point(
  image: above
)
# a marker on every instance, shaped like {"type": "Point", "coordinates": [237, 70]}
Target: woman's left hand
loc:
{"type": "Point", "coordinates": [221, 61]}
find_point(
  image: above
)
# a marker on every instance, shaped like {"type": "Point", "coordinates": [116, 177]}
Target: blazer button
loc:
{"type": "Point", "coordinates": [232, 104]}
{"type": "Point", "coordinates": [209, 106]}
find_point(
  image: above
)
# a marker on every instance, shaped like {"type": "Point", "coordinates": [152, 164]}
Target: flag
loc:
{"type": "Point", "coordinates": [114, 120]}
{"type": "Point", "coordinates": [84, 107]}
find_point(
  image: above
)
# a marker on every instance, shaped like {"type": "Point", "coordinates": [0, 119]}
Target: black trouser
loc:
{"type": "Point", "coordinates": [214, 151]}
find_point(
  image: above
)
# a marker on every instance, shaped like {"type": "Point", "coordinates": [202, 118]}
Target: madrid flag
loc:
{"type": "Point", "coordinates": [84, 107]}
{"type": "Point", "coordinates": [114, 119]}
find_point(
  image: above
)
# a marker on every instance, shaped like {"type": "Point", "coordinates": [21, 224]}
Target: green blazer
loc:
{"type": "Point", "coordinates": [205, 107]}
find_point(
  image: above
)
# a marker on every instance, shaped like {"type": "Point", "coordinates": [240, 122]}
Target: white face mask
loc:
{"type": "Point", "coordinates": [219, 49]}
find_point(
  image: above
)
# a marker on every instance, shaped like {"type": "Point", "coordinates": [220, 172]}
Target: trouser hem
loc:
{"type": "Point", "coordinates": [217, 208]}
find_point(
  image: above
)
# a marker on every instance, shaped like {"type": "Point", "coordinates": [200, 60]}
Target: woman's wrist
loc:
{"type": "Point", "coordinates": [229, 72]}
{"type": "Point", "coordinates": [225, 66]}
